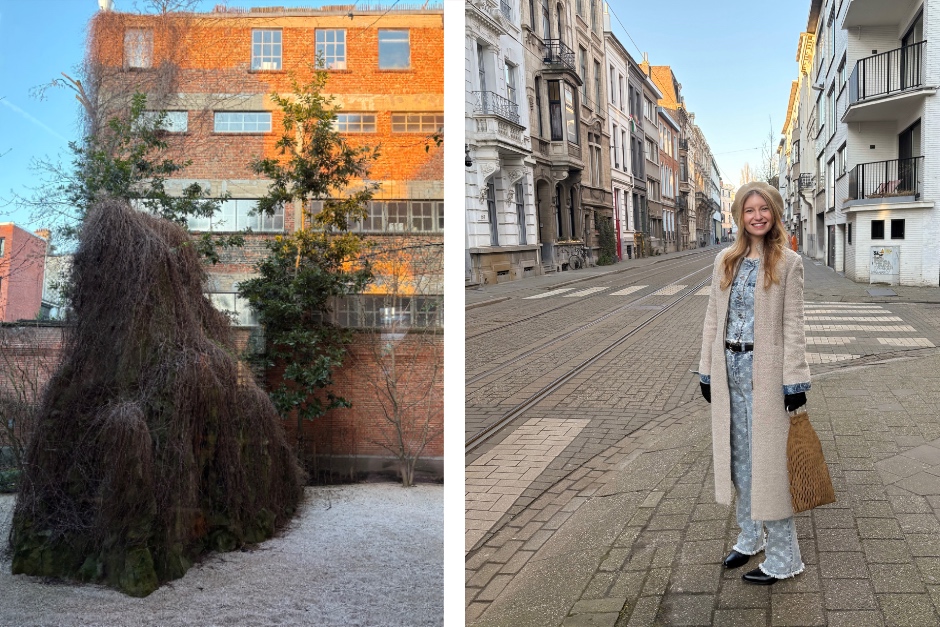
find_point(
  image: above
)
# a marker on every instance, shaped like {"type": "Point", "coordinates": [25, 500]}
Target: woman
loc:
{"type": "Point", "coordinates": [753, 371]}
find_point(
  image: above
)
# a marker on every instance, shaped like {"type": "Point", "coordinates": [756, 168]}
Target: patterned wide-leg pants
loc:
{"type": "Point", "coordinates": [782, 552]}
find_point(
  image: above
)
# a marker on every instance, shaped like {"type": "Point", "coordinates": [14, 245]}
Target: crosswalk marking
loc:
{"type": "Point", "coordinates": [856, 318]}
{"type": "Point", "coordinates": [844, 312]}
{"type": "Point", "coordinates": [825, 358]}
{"type": "Point", "coordinates": [551, 293]}
{"type": "Point", "coordinates": [629, 290]}
{"type": "Point", "coordinates": [906, 341]}
{"type": "Point", "coordinates": [841, 305]}
{"type": "Point", "coordinates": [826, 328]}
{"type": "Point", "coordinates": [590, 290]}
{"type": "Point", "coordinates": [829, 341]}
{"type": "Point", "coordinates": [669, 290]}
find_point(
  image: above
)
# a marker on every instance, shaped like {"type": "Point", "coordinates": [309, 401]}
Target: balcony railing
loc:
{"type": "Point", "coordinates": [683, 144]}
{"type": "Point", "coordinates": [506, 9]}
{"type": "Point", "coordinates": [557, 53]}
{"type": "Point", "coordinates": [893, 71]}
{"type": "Point", "coordinates": [489, 103]}
{"type": "Point", "coordinates": [884, 179]}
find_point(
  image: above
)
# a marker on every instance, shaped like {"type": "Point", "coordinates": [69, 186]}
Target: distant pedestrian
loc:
{"type": "Point", "coordinates": [794, 243]}
{"type": "Point", "coordinates": [753, 371]}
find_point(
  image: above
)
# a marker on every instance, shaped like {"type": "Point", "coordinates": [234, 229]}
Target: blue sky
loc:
{"type": "Point", "coordinates": [734, 58]}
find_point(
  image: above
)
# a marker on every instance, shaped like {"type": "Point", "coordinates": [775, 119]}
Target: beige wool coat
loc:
{"type": "Point", "coordinates": [779, 359]}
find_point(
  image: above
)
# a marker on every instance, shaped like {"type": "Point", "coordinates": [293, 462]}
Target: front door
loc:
{"type": "Point", "coordinates": [831, 248]}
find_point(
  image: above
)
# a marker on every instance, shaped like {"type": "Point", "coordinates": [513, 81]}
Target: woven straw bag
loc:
{"type": "Point", "coordinates": [810, 484]}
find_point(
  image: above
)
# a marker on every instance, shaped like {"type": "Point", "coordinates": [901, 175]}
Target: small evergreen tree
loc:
{"type": "Point", "coordinates": [608, 243]}
{"type": "Point", "coordinates": [305, 270]}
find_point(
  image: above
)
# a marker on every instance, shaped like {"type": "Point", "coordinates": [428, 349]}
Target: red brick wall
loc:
{"type": "Point", "coordinates": [21, 272]}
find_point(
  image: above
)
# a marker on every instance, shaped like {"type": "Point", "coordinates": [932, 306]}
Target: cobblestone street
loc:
{"type": "Point", "coordinates": [589, 490]}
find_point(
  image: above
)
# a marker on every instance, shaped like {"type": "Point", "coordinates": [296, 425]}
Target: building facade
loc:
{"type": "Point", "coordinates": [22, 263]}
{"type": "Point", "coordinates": [501, 227]}
{"type": "Point", "coordinates": [213, 73]}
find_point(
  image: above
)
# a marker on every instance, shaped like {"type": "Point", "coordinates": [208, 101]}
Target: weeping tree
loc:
{"type": "Point", "coordinates": [152, 445]}
{"type": "Point", "coordinates": [303, 272]}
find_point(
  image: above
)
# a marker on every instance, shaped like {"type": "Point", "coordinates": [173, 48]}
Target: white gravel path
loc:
{"type": "Point", "coordinates": [366, 554]}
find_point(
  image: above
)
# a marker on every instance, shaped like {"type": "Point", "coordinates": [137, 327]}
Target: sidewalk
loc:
{"type": "Point", "coordinates": [634, 537]}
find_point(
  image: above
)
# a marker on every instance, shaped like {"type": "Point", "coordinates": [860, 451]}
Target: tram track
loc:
{"type": "Point", "coordinates": [487, 433]}
{"type": "Point", "coordinates": [537, 349]}
{"type": "Point", "coordinates": [686, 260]}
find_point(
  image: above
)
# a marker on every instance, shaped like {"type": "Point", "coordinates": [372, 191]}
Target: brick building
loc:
{"type": "Point", "coordinates": [22, 258]}
{"type": "Point", "coordinates": [214, 73]}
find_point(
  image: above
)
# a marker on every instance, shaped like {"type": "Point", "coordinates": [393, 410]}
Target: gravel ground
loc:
{"type": "Point", "coordinates": [366, 554]}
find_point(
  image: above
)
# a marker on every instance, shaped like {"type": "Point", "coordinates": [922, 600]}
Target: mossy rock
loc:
{"type": "Point", "coordinates": [138, 577]}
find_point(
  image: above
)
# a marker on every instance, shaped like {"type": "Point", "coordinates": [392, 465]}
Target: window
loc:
{"type": "Point", "coordinates": [355, 122]}
{"type": "Point", "coordinates": [877, 229]}
{"type": "Point", "coordinates": [491, 212]}
{"type": "Point", "coordinates": [613, 94]}
{"type": "Point", "coordinates": [138, 48]}
{"type": "Point", "coordinates": [630, 91]}
{"type": "Point", "coordinates": [417, 122]}
{"type": "Point", "coordinates": [621, 92]}
{"type": "Point", "coordinates": [842, 76]}
{"type": "Point", "coordinates": [831, 184]}
{"type": "Point", "coordinates": [580, 7]}
{"type": "Point", "coordinates": [395, 216]}
{"type": "Point", "coordinates": [849, 231]}
{"type": "Point", "coordinates": [616, 148]}
{"type": "Point", "coordinates": [832, 110]}
{"type": "Point", "coordinates": [582, 63]}
{"type": "Point", "coordinates": [594, 15]}
{"type": "Point", "coordinates": [331, 49]}
{"type": "Point", "coordinates": [394, 49]}
{"type": "Point", "coordinates": [236, 307]}
{"type": "Point", "coordinates": [510, 70]}
{"type": "Point", "coordinates": [597, 86]}
{"type": "Point", "coordinates": [3, 242]}
{"type": "Point", "coordinates": [546, 22]}
{"type": "Point", "coordinates": [648, 109]}
{"type": "Point", "coordinates": [897, 229]}
{"type": "Point", "coordinates": [520, 211]}
{"type": "Point", "coordinates": [173, 121]}
{"type": "Point", "coordinates": [840, 159]}
{"type": "Point", "coordinates": [555, 115]}
{"type": "Point", "coordinates": [652, 152]}
{"type": "Point", "coordinates": [377, 310]}
{"type": "Point", "coordinates": [240, 122]}
{"type": "Point", "coordinates": [571, 115]}
{"type": "Point", "coordinates": [623, 147]}
{"type": "Point", "coordinates": [238, 215]}
{"type": "Point", "coordinates": [265, 49]}
{"type": "Point", "coordinates": [538, 103]}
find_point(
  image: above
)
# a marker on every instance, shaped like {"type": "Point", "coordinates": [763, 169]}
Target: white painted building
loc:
{"type": "Point", "coordinates": [623, 128]}
{"type": "Point", "coordinates": [501, 227]}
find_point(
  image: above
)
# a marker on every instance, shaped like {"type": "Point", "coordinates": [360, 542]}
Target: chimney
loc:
{"type": "Point", "coordinates": [105, 5]}
{"type": "Point", "coordinates": [43, 233]}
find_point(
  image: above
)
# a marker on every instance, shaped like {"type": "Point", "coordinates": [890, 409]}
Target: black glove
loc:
{"type": "Point", "coordinates": [706, 391]}
{"type": "Point", "coordinates": [794, 401]}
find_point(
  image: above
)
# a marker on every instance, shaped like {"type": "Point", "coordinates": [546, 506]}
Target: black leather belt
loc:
{"type": "Point", "coordinates": [735, 347]}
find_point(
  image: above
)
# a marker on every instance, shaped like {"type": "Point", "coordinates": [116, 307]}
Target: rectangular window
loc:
{"type": "Point", "coordinates": [582, 64]}
{"type": "Point", "coordinates": [571, 115]}
{"type": "Point", "coordinates": [520, 211]}
{"type": "Point", "coordinates": [616, 149]}
{"type": "Point", "coordinates": [355, 122]}
{"type": "Point", "coordinates": [394, 216]}
{"type": "Point", "coordinates": [849, 231]}
{"type": "Point", "coordinates": [842, 75]}
{"type": "Point", "coordinates": [538, 104]}
{"type": "Point", "coordinates": [630, 92]}
{"type": "Point", "coordinates": [831, 184]}
{"type": "Point", "coordinates": [491, 212]}
{"type": "Point", "coordinates": [555, 116]}
{"type": "Point", "coordinates": [613, 94]}
{"type": "Point", "coordinates": [623, 147]}
{"type": "Point", "coordinates": [394, 49]}
{"type": "Point", "coordinates": [621, 92]}
{"type": "Point", "coordinates": [877, 229]}
{"type": "Point", "coordinates": [841, 160]}
{"type": "Point", "coordinates": [832, 111]}
{"type": "Point", "coordinates": [597, 86]}
{"type": "Point", "coordinates": [238, 215]}
{"type": "Point", "coordinates": [331, 48]}
{"type": "Point", "coordinates": [173, 121]}
{"type": "Point", "coordinates": [138, 48]}
{"type": "Point", "coordinates": [417, 122]}
{"type": "Point", "coordinates": [266, 49]}
{"type": "Point", "coordinates": [897, 229]}
{"type": "Point", "coordinates": [236, 307]}
{"type": "Point", "coordinates": [649, 109]}
{"type": "Point", "coordinates": [510, 70]}
{"type": "Point", "coordinates": [242, 122]}
{"type": "Point", "coordinates": [3, 242]}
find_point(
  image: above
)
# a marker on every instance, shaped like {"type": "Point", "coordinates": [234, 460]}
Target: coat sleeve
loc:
{"type": "Point", "coordinates": [710, 327]}
{"type": "Point", "coordinates": [795, 369]}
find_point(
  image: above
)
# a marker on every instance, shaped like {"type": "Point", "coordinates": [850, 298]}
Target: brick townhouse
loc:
{"type": "Point", "coordinates": [214, 73]}
{"type": "Point", "coordinates": [22, 258]}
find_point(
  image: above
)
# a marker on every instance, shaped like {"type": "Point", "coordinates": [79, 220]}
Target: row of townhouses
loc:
{"type": "Point", "coordinates": [566, 131]}
{"type": "Point", "coordinates": [857, 172]}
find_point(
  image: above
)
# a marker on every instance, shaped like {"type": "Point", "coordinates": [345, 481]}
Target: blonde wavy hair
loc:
{"type": "Point", "coordinates": [771, 251]}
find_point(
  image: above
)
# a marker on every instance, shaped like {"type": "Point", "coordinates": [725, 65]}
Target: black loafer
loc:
{"type": "Point", "coordinates": [736, 560]}
{"type": "Point", "coordinates": [759, 577]}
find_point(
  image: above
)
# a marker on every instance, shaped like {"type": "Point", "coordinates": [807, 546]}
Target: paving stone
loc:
{"type": "Point", "coordinates": [628, 585]}
{"type": "Point", "coordinates": [644, 613]}
{"type": "Point", "coordinates": [734, 593]}
{"type": "Point", "coordinates": [607, 605]}
{"type": "Point", "coordinates": [849, 594]}
{"type": "Point", "coordinates": [834, 518]}
{"type": "Point", "coordinates": [924, 453]}
{"type": "Point", "coordinates": [919, 523]}
{"type": "Point", "coordinates": [871, 618]}
{"type": "Point", "coordinates": [907, 610]}
{"type": "Point", "coordinates": [887, 578]}
{"type": "Point", "coordinates": [656, 582]}
{"type": "Point", "coordinates": [837, 540]}
{"type": "Point", "coordinates": [686, 609]}
{"type": "Point", "coordinates": [797, 609]}
{"type": "Point", "coordinates": [740, 618]}
{"type": "Point", "coordinates": [929, 568]}
{"type": "Point", "coordinates": [591, 620]}
{"type": "Point", "coordinates": [706, 529]}
{"type": "Point", "coordinates": [702, 552]}
{"type": "Point", "coordinates": [878, 528]}
{"type": "Point", "coordinates": [922, 483]}
{"type": "Point", "coordinates": [910, 504]}
{"type": "Point", "coordinates": [842, 565]}
{"type": "Point", "coordinates": [695, 578]}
